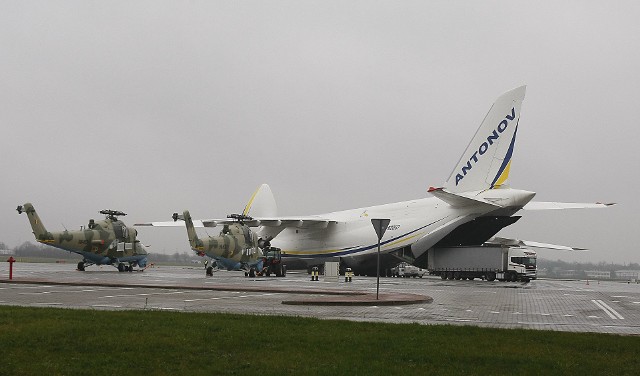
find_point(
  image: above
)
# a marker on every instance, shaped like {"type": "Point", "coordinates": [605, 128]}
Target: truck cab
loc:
{"type": "Point", "coordinates": [523, 262]}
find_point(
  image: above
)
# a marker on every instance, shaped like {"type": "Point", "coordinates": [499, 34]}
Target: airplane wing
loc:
{"type": "Point", "coordinates": [196, 223]}
{"type": "Point", "coordinates": [297, 222]}
{"type": "Point", "coordinates": [540, 205]}
{"type": "Point", "coordinates": [527, 243]}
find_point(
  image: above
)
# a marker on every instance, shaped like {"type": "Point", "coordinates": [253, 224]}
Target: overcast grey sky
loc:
{"type": "Point", "coordinates": [153, 107]}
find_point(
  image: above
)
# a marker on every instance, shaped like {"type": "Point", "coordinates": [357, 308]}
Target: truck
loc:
{"type": "Point", "coordinates": [407, 270]}
{"type": "Point", "coordinates": [487, 262]}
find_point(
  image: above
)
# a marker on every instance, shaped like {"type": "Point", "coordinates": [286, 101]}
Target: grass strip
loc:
{"type": "Point", "coordinates": [57, 341]}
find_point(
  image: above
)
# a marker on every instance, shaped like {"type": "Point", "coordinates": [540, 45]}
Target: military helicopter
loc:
{"type": "Point", "coordinates": [236, 248]}
{"type": "Point", "coordinates": [107, 242]}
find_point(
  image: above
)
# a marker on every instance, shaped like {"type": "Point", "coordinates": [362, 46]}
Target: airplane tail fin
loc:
{"type": "Point", "coordinates": [486, 162]}
{"type": "Point", "coordinates": [194, 241]}
{"type": "Point", "coordinates": [39, 230]}
{"type": "Point", "coordinates": [261, 204]}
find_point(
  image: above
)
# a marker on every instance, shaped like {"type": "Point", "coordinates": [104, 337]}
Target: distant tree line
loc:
{"type": "Point", "coordinates": [581, 267]}
{"type": "Point", "coordinates": [40, 251]}
{"type": "Point", "coordinates": [28, 249]}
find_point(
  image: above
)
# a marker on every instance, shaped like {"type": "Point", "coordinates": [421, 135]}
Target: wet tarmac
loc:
{"type": "Point", "coordinates": [576, 306]}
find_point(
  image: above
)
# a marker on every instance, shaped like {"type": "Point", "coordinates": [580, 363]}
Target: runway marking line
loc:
{"type": "Point", "coordinates": [608, 310]}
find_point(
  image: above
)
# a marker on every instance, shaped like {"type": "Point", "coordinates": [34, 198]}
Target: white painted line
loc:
{"type": "Point", "coordinates": [460, 320]}
{"type": "Point", "coordinates": [106, 306]}
{"type": "Point", "coordinates": [608, 310]}
{"type": "Point", "coordinates": [611, 309]}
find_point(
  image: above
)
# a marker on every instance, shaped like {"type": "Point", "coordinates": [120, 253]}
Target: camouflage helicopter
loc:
{"type": "Point", "coordinates": [107, 242]}
{"type": "Point", "coordinates": [235, 248]}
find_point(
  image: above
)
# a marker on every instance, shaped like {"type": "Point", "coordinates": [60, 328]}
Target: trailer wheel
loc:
{"type": "Point", "coordinates": [443, 275]}
{"type": "Point", "coordinates": [491, 276]}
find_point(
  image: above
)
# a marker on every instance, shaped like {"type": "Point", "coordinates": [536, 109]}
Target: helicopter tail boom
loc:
{"type": "Point", "coordinates": [40, 232]}
{"type": "Point", "coordinates": [196, 244]}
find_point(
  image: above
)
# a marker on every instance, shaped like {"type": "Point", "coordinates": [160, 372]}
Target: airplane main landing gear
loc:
{"type": "Point", "coordinates": [81, 266]}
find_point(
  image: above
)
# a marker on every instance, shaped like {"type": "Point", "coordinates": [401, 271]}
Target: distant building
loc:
{"type": "Point", "coordinates": [598, 274]}
{"type": "Point", "coordinates": [567, 273]}
{"type": "Point", "coordinates": [627, 274]}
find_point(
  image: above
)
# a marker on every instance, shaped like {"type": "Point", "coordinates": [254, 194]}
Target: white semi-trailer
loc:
{"type": "Point", "coordinates": [485, 262]}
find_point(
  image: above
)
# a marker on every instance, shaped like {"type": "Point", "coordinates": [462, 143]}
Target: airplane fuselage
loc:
{"type": "Point", "coordinates": [415, 226]}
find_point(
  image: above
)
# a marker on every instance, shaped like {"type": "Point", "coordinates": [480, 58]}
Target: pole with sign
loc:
{"type": "Point", "coordinates": [380, 225]}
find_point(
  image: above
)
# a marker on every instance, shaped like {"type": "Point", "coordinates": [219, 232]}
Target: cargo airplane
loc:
{"type": "Point", "coordinates": [472, 206]}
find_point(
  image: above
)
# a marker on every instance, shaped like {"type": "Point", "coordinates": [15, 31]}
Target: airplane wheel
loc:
{"type": "Point", "coordinates": [81, 266]}
{"type": "Point", "coordinates": [284, 270]}
{"type": "Point", "coordinates": [252, 273]}
{"type": "Point", "coordinates": [130, 268]}
{"type": "Point", "coordinates": [121, 267]}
